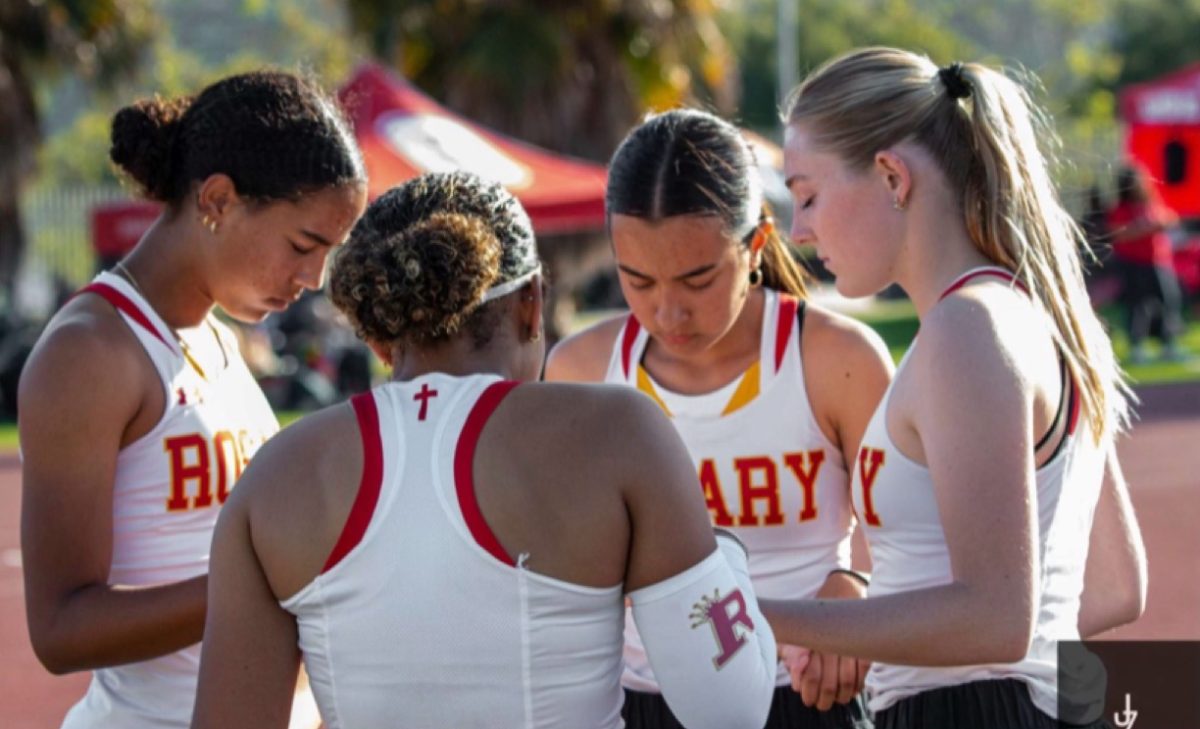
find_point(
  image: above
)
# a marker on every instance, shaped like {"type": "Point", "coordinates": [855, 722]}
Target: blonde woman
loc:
{"type": "Point", "coordinates": [986, 480]}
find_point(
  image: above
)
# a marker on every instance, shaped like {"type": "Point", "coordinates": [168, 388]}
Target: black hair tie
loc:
{"type": "Point", "coordinates": [952, 78]}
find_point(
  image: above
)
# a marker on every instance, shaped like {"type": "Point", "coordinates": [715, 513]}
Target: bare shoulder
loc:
{"type": "Point", "coordinates": [577, 409]}
{"type": "Point", "coordinates": [84, 356]}
{"type": "Point", "coordinates": [596, 424]}
{"type": "Point", "coordinates": [836, 342]}
{"type": "Point", "coordinates": [984, 327]}
{"type": "Point", "coordinates": [847, 369]}
{"type": "Point", "coordinates": [297, 492]}
{"type": "Point", "coordinates": [584, 356]}
{"type": "Point", "coordinates": [303, 458]}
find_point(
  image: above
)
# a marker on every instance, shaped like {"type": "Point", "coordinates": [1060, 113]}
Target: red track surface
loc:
{"type": "Point", "coordinates": [1161, 459]}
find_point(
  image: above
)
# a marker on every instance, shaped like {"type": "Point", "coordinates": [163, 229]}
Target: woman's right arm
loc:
{"type": "Point", "coordinates": [76, 399]}
{"type": "Point", "coordinates": [711, 649]}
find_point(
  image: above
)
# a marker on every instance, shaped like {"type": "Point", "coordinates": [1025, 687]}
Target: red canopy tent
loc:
{"type": "Point", "coordinates": [1162, 132]}
{"type": "Point", "coordinates": [404, 133]}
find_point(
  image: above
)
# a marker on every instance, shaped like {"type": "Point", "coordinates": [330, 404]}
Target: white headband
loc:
{"type": "Point", "coordinates": [508, 287]}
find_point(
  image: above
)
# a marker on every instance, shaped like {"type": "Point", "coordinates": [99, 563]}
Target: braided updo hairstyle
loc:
{"type": "Point", "coordinates": [419, 262]}
{"type": "Point", "coordinates": [278, 136]}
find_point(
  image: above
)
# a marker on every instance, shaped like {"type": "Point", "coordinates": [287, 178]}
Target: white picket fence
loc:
{"type": "Point", "coordinates": [58, 230]}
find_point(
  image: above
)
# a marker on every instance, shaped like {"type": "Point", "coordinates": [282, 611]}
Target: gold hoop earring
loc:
{"type": "Point", "coordinates": [535, 335]}
{"type": "Point", "coordinates": [898, 204]}
{"type": "Point", "coordinates": [755, 277]}
{"type": "Point", "coordinates": [209, 223]}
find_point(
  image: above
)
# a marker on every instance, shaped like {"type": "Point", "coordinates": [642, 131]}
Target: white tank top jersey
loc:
{"type": "Point", "coordinates": [420, 618]}
{"type": "Point", "coordinates": [768, 473]}
{"type": "Point", "coordinates": [168, 490]}
{"type": "Point", "coordinates": [894, 498]}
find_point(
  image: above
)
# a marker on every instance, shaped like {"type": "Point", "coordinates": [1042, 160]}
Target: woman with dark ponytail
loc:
{"type": "Point", "coordinates": [769, 392]}
{"type": "Point", "coordinates": [127, 464]}
{"type": "Point", "coordinates": [987, 480]}
{"type": "Point", "coordinates": [452, 549]}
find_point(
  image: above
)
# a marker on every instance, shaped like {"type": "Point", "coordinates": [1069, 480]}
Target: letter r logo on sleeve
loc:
{"type": "Point", "coordinates": [724, 615]}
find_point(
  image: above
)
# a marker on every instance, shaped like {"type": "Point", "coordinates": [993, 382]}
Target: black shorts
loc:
{"type": "Point", "coordinates": [996, 704]}
{"type": "Point", "coordinates": [649, 711]}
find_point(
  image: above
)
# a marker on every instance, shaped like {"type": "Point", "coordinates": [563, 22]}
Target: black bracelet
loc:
{"type": "Point", "coordinates": [861, 577]}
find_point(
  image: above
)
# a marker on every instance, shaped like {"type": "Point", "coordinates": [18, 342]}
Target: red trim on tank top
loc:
{"type": "Point", "coordinates": [787, 317]}
{"type": "Point", "coordinates": [464, 462]}
{"type": "Point", "coordinates": [632, 327]}
{"type": "Point", "coordinates": [369, 485]}
{"type": "Point", "coordinates": [972, 275]}
{"type": "Point", "coordinates": [1075, 407]}
{"type": "Point", "coordinates": [122, 303]}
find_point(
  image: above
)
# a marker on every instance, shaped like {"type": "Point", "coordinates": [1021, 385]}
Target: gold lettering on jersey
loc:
{"type": "Point", "coordinates": [189, 462]}
{"type": "Point", "coordinates": [870, 460]}
{"type": "Point", "coordinates": [807, 477]}
{"type": "Point", "coordinates": [766, 490]}
{"type": "Point", "coordinates": [714, 498]}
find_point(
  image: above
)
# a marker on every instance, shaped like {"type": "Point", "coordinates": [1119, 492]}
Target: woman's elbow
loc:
{"type": "Point", "coordinates": [1013, 642]}
{"type": "Point", "coordinates": [1132, 603]}
{"type": "Point", "coordinates": [55, 655]}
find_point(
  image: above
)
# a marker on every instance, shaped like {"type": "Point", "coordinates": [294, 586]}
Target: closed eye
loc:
{"type": "Point", "coordinates": [299, 248]}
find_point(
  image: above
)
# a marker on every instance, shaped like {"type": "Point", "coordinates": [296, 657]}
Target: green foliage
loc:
{"type": "Point", "coordinates": [288, 33]}
{"type": "Point", "coordinates": [569, 76]}
{"type": "Point", "coordinates": [1153, 37]}
{"type": "Point", "coordinates": [827, 28]}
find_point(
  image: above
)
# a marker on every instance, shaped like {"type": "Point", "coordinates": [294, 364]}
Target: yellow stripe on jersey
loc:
{"type": "Point", "coordinates": [645, 385]}
{"type": "Point", "coordinates": [746, 391]}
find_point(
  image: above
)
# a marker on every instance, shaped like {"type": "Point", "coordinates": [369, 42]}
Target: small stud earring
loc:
{"type": "Point", "coordinates": [535, 335]}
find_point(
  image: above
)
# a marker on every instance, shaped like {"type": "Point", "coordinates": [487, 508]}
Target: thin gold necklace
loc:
{"type": "Point", "coordinates": [126, 274]}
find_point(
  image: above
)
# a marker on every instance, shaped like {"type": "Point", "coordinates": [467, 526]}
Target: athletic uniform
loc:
{"type": "Point", "coordinates": [894, 497]}
{"type": "Point", "coordinates": [769, 475]}
{"type": "Point", "coordinates": [167, 493]}
{"type": "Point", "coordinates": [421, 619]}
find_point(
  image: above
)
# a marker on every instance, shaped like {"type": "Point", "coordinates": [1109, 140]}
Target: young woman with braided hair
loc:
{"type": "Point", "coordinates": [987, 481]}
{"type": "Point", "coordinates": [453, 548]}
{"type": "Point", "coordinates": [137, 413]}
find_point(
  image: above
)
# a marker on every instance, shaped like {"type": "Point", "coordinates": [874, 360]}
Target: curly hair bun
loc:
{"type": "Point", "coordinates": [419, 284]}
{"type": "Point", "coordinates": [143, 137]}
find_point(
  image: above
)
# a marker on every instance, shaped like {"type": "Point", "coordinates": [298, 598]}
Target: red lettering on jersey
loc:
{"type": "Point", "coordinates": [724, 615]}
{"type": "Point", "coordinates": [807, 478]}
{"type": "Point", "coordinates": [229, 462]}
{"type": "Point", "coordinates": [185, 469]}
{"type": "Point", "coordinates": [714, 498]}
{"type": "Point", "coordinates": [182, 396]}
{"type": "Point", "coordinates": [751, 492]}
{"type": "Point", "coordinates": [870, 460]}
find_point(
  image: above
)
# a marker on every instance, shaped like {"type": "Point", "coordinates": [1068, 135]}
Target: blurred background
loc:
{"type": "Point", "coordinates": [538, 93]}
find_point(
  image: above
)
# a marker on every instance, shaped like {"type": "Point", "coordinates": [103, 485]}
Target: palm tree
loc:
{"type": "Point", "coordinates": [96, 39]}
{"type": "Point", "coordinates": [572, 77]}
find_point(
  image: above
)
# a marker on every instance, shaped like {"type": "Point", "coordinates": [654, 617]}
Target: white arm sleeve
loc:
{"type": "Point", "coordinates": [710, 647]}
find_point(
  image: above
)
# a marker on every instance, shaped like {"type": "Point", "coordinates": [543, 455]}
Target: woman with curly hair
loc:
{"type": "Point", "coordinates": [137, 411]}
{"type": "Point", "coordinates": [455, 547]}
